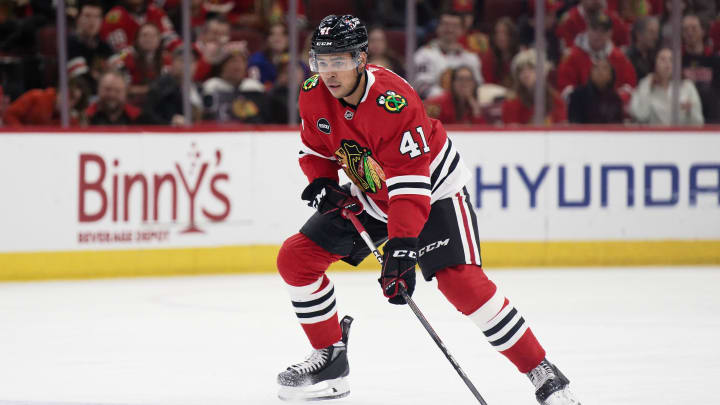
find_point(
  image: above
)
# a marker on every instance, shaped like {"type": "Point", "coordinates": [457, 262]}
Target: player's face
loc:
{"type": "Point", "coordinates": [338, 72]}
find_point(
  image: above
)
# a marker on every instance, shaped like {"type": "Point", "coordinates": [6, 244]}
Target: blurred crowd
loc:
{"type": "Point", "coordinates": [607, 61]}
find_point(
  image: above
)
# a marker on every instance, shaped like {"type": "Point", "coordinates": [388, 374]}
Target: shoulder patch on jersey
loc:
{"type": "Point", "coordinates": [392, 101]}
{"type": "Point", "coordinates": [113, 16]}
{"type": "Point", "coordinates": [359, 165]}
{"type": "Point", "coordinates": [311, 82]}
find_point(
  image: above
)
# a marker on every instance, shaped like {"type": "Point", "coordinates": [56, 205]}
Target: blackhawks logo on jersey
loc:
{"type": "Point", "coordinates": [311, 82]}
{"type": "Point", "coordinates": [392, 101]}
{"type": "Point", "coordinates": [361, 168]}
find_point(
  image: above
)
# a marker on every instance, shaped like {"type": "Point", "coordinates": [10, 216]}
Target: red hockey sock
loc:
{"type": "Point", "coordinates": [302, 265]}
{"type": "Point", "coordinates": [468, 288]}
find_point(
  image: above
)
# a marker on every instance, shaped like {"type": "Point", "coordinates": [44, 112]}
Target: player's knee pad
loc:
{"type": "Point", "coordinates": [301, 261]}
{"type": "Point", "coordinates": [467, 288]}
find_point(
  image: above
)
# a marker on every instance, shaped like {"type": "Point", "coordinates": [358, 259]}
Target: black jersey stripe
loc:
{"type": "Point", "coordinates": [409, 185]}
{"type": "Point", "coordinates": [473, 217]}
{"type": "Point", "coordinates": [510, 333]}
{"type": "Point", "coordinates": [438, 170]}
{"type": "Point", "coordinates": [317, 301]}
{"type": "Point", "coordinates": [453, 165]}
{"type": "Point", "coordinates": [495, 329]}
{"type": "Point", "coordinates": [304, 315]}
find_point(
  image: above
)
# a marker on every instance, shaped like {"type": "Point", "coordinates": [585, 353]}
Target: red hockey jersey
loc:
{"type": "Point", "coordinates": [399, 159]}
{"type": "Point", "coordinates": [573, 23]}
{"type": "Point", "coordinates": [120, 26]}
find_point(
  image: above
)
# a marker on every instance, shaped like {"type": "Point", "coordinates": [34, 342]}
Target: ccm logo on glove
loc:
{"type": "Point", "coordinates": [405, 253]}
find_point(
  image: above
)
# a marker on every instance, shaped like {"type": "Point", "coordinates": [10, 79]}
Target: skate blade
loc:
{"type": "Point", "coordinates": [330, 389]}
{"type": "Point", "coordinates": [562, 397]}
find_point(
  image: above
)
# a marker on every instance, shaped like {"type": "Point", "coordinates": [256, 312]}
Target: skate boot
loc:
{"type": "Point", "coordinates": [323, 375]}
{"type": "Point", "coordinates": [551, 386]}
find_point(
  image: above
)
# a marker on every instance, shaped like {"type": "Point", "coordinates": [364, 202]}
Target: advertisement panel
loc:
{"type": "Point", "coordinates": [224, 201]}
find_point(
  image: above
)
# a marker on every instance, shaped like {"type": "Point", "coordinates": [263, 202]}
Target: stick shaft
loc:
{"type": "Point", "coordinates": [369, 242]}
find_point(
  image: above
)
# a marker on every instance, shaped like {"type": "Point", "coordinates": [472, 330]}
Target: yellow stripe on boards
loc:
{"type": "Point", "coordinates": [261, 259]}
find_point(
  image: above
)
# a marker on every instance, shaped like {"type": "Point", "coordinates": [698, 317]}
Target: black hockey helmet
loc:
{"type": "Point", "coordinates": [338, 34]}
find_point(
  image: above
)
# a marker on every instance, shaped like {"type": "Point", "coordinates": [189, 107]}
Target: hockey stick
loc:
{"type": "Point", "coordinates": [369, 242]}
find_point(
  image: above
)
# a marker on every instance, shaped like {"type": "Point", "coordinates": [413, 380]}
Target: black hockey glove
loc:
{"type": "Point", "coordinates": [399, 259]}
{"type": "Point", "coordinates": [326, 196]}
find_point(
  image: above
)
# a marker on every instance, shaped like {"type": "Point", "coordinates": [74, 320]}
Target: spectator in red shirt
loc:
{"type": "Point", "coordinates": [460, 104]}
{"type": "Point", "coordinates": [575, 22]}
{"type": "Point", "coordinates": [123, 22]}
{"type": "Point", "coordinates": [519, 107]}
{"type": "Point", "coordinates": [42, 106]}
{"type": "Point", "coordinates": [111, 107]}
{"type": "Point", "coordinates": [143, 62]}
{"type": "Point", "coordinates": [214, 35]}
{"type": "Point", "coordinates": [596, 102]}
{"type": "Point", "coordinates": [497, 57]}
{"type": "Point", "coordinates": [591, 47]}
{"type": "Point", "coordinates": [714, 34]}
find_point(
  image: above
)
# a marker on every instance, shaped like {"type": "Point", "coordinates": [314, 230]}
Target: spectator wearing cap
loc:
{"type": "Point", "coordinates": [164, 101]}
{"type": "Point", "coordinates": [701, 66]}
{"type": "Point", "coordinates": [379, 53]}
{"type": "Point", "coordinates": [596, 102]}
{"type": "Point", "coordinates": [497, 56]}
{"type": "Point", "coordinates": [441, 54]}
{"type": "Point", "coordinates": [231, 95]}
{"type": "Point", "coordinates": [42, 106]}
{"type": "Point", "coordinates": [88, 54]}
{"type": "Point", "coordinates": [143, 62]}
{"type": "Point", "coordinates": [576, 21]}
{"type": "Point", "coordinates": [589, 48]}
{"type": "Point", "coordinates": [111, 107]}
{"type": "Point", "coordinates": [645, 42]}
{"type": "Point", "coordinates": [519, 106]}
{"type": "Point", "coordinates": [263, 65]}
{"type": "Point", "coordinates": [651, 102]}
{"type": "Point", "coordinates": [123, 22]}
{"type": "Point", "coordinates": [460, 104]}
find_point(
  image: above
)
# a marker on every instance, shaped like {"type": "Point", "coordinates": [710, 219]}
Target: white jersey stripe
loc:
{"type": "Point", "coordinates": [414, 191]}
{"type": "Point", "coordinates": [407, 179]}
{"type": "Point", "coordinates": [305, 150]}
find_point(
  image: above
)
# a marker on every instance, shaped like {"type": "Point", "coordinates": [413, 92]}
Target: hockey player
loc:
{"type": "Point", "coordinates": [408, 187]}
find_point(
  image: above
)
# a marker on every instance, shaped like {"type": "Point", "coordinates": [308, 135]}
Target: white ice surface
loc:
{"type": "Point", "coordinates": [623, 337]}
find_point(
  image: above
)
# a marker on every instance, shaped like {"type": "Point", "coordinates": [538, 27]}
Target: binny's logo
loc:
{"type": "Point", "coordinates": [433, 246]}
{"type": "Point", "coordinates": [113, 188]}
{"type": "Point", "coordinates": [323, 125]}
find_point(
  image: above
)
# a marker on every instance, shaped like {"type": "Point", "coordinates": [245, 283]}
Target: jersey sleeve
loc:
{"type": "Point", "coordinates": [315, 158]}
{"type": "Point", "coordinates": [406, 157]}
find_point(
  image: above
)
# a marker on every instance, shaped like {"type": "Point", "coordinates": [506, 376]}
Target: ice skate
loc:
{"type": "Point", "coordinates": [323, 375]}
{"type": "Point", "coordinates": [551, 386]}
